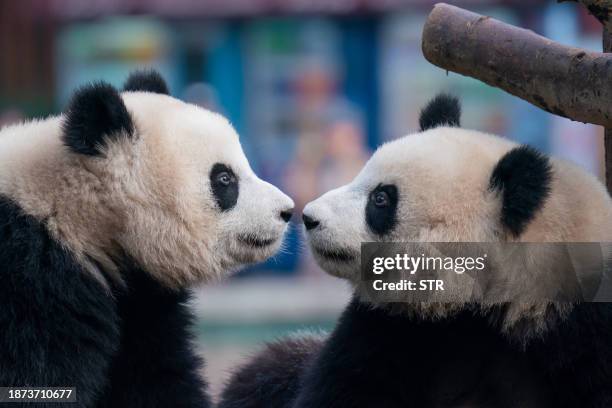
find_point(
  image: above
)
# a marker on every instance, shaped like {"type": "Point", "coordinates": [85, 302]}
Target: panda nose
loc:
{"type": "Point", "coordinates": [309, 222]}
{"type": "Point", "coordinates": [286, 214]}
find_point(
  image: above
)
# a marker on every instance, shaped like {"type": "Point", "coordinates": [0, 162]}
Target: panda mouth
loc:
{"type": "Point", "coordinates": [254, 241]}
{"type": "Point", "coordinates": [336, 255]}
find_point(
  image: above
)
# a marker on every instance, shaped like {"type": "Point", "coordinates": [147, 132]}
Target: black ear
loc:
{"type": "Point", "coordinates": [146, 81]}
{"type": "Point", "coordinates": [443, 110]}
{"type": "Point", "coordinates": [523, 176]}
{"type": "Point", "coordinates": [95, 114]}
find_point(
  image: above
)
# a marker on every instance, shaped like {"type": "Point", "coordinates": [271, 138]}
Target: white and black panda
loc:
{"type": "Point", "coordinates": [439, 185]}
{"type": "Point", "coordinates": [108, 212]}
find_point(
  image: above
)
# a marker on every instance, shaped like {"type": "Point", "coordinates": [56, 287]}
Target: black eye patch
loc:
{"type": "Point", "coordinates": [381, 209]}
{"type": "Point", "coordinates": [224, 185]}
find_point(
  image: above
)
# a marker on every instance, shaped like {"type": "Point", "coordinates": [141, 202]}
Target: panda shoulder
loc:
{"type": "Point", "coordinates": [39, 276]}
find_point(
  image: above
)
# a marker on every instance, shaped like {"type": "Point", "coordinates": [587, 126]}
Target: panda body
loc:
{"type": "Point", "coordinates": [462, 361]}
{"type": "Point", "coordinates": [447, 184]}
{"type": "Point", "coordinates": [374, 358]}
{"type": "Point", "coordinates": [108, 214]}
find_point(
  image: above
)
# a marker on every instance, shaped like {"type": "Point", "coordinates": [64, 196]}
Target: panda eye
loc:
{"type": "Point", "coordinates": [380, 199]}
{"type": "Point", "coordinates": [381, 209]}
{"type": "Point", "coordinates": [224, 186]}
{"type": "Point", "coordinates": [224, 178]}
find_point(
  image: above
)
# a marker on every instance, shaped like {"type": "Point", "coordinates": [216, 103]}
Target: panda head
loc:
{"type": "Point", "coordinates": [140, 174]}
{"type": "Point", "coordinates": [443, 184]}
{"type": "Point", "coordinates": [447, 184]}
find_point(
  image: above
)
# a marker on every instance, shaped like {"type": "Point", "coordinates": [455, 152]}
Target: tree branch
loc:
{"type": "Point", "coordinates": [563, 80]}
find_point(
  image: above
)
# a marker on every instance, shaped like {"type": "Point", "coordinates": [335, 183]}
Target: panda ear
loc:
{"type": "Point", "coordinates": [146, 81]}
{"type": "Point", "coordinates": [523, 177]}
{"type": "Point", "coordinates": [95, 114]}
{"type": "Point", "coordinates": [443, 110]}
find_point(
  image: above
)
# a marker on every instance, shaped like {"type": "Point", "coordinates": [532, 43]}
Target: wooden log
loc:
{"type": "Point", "coordinates": [563, 80]}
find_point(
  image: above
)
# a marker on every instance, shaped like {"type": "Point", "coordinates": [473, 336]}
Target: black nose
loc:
{"type": "Point", "coordinates": [309, 223]}
{"type": "Point", "coordinates": [286, 214]}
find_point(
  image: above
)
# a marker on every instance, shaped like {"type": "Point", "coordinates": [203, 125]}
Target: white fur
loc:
{"type": "Point", "coordinates": [148, 196]}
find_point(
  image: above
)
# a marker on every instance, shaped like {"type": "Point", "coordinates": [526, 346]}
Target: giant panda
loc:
{"type": "Point", "coordinates": [108, 213]}
{"type": "Point", "coordinates": [447, 184]}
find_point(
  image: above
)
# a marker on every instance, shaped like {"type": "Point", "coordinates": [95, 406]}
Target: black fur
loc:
{"type": "Point", "coordinates": [156, 365]}
{"type": "Point", "coordinates": [146, 81]}
{"type": "Point", "coordinates": [383, 360]}
{"type": "Point", "coordinates": [378, 359]}
{"type": "Point", "coordinates": [224, 185]}
{"type": "Point", "coordinates": [95, 113]}
{"type": "Point", "coordinates": [271, 379]}
{"type": "Point", "coordinates": [523, 176]}
{"type": "Point", "coordinates": [443, 110]}
{"type": "Point", "coordinates": [381, 219]}
{"type": "Point", "coordinates": [59, 327]}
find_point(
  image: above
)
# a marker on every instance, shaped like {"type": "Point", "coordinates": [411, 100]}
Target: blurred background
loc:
{"type": "Point", "coordinates": [312, 88]}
